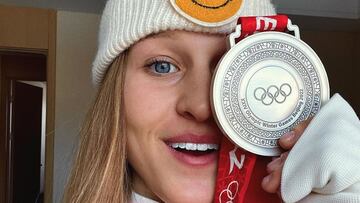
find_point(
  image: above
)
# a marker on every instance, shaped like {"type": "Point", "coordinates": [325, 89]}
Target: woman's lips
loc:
{"type": "Point", "coordinates": [194, 150]}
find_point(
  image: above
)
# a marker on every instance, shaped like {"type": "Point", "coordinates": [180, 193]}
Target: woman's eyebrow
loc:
{"type": "Point", "coordinates": [162, 34]}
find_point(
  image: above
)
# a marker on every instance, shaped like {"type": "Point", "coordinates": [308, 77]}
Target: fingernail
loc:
{"type": "Point", "coordinates": [289, 136]}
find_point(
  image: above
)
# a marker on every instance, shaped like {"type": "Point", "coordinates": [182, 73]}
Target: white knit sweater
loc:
{"type": "Point", "coordinates": [324, 165]}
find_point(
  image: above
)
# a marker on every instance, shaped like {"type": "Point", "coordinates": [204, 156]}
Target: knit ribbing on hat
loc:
{"type": "Point", "coordinates": [124, 22]}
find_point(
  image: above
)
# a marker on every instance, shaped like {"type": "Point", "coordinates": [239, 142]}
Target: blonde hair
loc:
{"type": "Point", "coordinates": [100, 172]}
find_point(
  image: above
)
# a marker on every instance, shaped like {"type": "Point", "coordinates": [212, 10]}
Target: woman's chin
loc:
{"type": "Point", "coordinates": [192, 197]}
{"type": "Point", "coordinates": [193, 192]}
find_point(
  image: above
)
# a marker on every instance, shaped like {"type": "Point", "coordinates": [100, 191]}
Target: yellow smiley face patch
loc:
{"type": "Point", "coordinates": [208, 12]}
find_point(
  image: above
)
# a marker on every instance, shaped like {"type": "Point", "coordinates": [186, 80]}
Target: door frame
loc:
{"type": "Point", "coordinates": [48, 48]}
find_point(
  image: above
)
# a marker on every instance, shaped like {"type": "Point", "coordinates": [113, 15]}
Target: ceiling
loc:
{"type": "Point", "coordinates": [311, 14]}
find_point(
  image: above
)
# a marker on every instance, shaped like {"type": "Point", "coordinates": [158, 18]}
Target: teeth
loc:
{"type": "Point", "coordinates": [194, 146]}
{"type": "Point", "coordinates": [214, 146]}
{"type": "Point", "coordinates": [190, 146]}
{"type": "Point", "coordinates": [202, 147]}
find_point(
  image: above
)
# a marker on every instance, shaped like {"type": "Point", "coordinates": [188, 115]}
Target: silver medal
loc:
{"type": "Point", "coordinates": [264, 86]}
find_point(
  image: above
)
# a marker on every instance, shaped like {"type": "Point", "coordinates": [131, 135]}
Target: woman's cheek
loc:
{"type": "Point", "coordinates": [149, 104]}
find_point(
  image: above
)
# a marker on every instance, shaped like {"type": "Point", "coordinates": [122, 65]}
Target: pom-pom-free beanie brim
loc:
{"type": "Point", "coordinates": [124, 22]}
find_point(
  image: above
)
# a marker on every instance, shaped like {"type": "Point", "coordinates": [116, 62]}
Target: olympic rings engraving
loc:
{"type": "Point", "coordinates": [273, 93]}
{"type": "Point", "coordinates": [230, 195]}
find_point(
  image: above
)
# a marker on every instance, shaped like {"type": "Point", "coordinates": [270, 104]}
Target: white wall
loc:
{"type": "Point", "coordinates": [76, 46]}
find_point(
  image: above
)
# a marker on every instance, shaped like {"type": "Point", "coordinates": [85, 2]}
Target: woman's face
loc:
{"type": "Point", "coordinates": [172, 136]}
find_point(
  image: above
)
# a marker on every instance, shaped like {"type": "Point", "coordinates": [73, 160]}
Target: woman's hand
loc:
{"type": "Point", "coordinates": [271, 183]}
{"type": "Point", "coordinates": [324, 164]}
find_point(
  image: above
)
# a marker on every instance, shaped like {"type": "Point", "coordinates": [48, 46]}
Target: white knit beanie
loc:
{"type": "Point", "coordinates": [124, 22]}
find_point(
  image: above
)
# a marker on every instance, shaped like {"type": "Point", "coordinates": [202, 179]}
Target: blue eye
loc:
{"type": "Point", "coordinates": [163, 67]}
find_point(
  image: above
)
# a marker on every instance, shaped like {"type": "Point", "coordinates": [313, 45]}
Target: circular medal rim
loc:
{"type": "Point", "coordinates": [207, 24]}
{"type": "Point", "coordinates": [227, 59]}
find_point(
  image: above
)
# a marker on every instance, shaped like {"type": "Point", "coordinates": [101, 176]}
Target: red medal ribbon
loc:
{"type": "Point", "coordinates": [234, 173]}
{"type": "Point", "coordinates": [251, 25]}
{"type": "Point", "coordinates": [236, 165]}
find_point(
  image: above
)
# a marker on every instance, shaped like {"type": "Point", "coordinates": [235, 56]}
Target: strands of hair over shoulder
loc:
{"type": "Point", "coordinates": [100, 170]}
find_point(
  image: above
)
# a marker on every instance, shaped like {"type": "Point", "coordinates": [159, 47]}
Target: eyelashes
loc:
{"type": "Point", "coordinates": [161, 67]}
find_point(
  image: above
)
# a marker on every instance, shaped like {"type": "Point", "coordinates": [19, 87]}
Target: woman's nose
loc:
{"type": "Point", "coordinates": [194, 102]}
